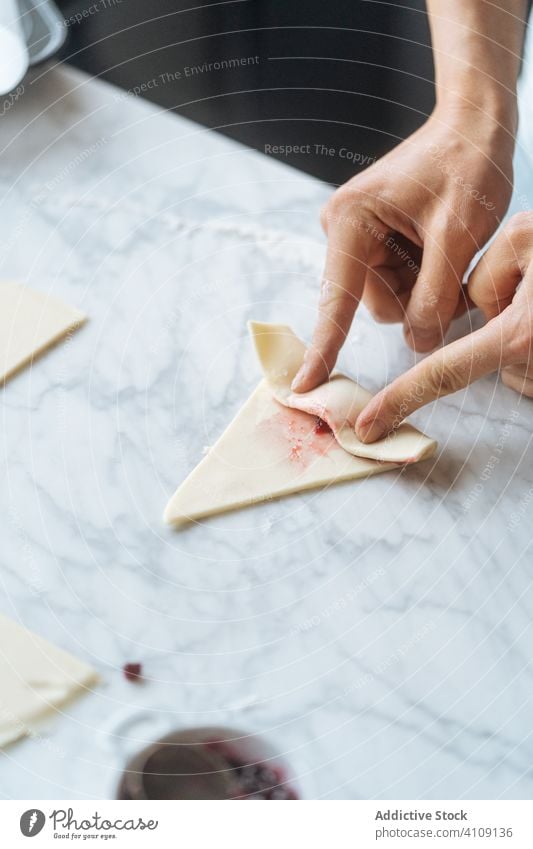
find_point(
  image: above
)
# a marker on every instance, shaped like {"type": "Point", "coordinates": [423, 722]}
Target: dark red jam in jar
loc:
{"type": "Point", "coordinates": [207, 763]}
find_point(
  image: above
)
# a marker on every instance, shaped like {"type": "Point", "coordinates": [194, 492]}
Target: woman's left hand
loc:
{"type": "Point", "coordinates": [501, 285]}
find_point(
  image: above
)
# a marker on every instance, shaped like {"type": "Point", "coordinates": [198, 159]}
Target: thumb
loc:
{"type": "Point", "coordinates": [447, 370]}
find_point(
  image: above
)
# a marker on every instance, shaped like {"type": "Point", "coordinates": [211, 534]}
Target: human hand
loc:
{"type": "Point", "coordinates": [501, 285]}
{"type": "Point", "coordinates": [402, 234]}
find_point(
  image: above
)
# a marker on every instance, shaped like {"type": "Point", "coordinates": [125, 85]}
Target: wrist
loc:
{"type": "Point", "coordinates": [477, 48]}
{"type": "Point", "coordinates": [467, 97]}
{"type": "Point", "coordinates": [489, 117]}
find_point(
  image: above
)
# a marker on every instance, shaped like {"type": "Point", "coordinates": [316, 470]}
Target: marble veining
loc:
{"type": "Point", "coordinates": [379, 633]}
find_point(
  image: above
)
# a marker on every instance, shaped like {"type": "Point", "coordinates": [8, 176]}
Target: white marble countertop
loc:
{"type": "Point", "coordinates": [380, 633]}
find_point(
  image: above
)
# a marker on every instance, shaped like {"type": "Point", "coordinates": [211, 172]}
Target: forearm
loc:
{"type": "Point", "coordinates": [477, 46]}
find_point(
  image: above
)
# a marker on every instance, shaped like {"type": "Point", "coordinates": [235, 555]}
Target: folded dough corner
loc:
{"type": "Point", "coordinates": [337, 402]}
{"type": "Point", "coordinates": [273, 446]}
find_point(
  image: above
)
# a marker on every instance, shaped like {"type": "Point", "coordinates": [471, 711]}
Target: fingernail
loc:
{"type": "Point", "coordinates": [372, 430]}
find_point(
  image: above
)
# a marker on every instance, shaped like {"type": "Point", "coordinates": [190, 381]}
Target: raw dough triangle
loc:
{"type": "Point", "coordinates": [271, 449]}
{"type": "Point", "coordinates": [35, 679]}
{"type": "Point", "coordinates": [30, 322]}
{"type": "Point", "coordinates": [267, 451]}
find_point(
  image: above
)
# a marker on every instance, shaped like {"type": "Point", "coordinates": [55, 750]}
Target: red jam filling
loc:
{"type": "Point", "coordinates": [321, 426]}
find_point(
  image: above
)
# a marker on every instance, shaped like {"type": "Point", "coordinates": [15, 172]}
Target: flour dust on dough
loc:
{"type": "Point", "coordinates": [274, 448]}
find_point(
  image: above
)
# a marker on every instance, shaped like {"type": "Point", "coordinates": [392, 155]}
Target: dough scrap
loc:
{"type": "Point", "coordinates": [30, 322]}
{"type": "Point", "coordinates": [338, 402]}
{"type": "Point", "coordinates": [36, 679]}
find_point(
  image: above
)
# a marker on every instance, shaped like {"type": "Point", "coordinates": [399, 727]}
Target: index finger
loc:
{"type": "Point", "coordinates": [341, 292]}
{"type": "Point", "coordinates": [448, 370]}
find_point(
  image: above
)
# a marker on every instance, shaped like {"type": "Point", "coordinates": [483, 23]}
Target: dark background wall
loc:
{"type": "Point", "coordinates": [350, 76]}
